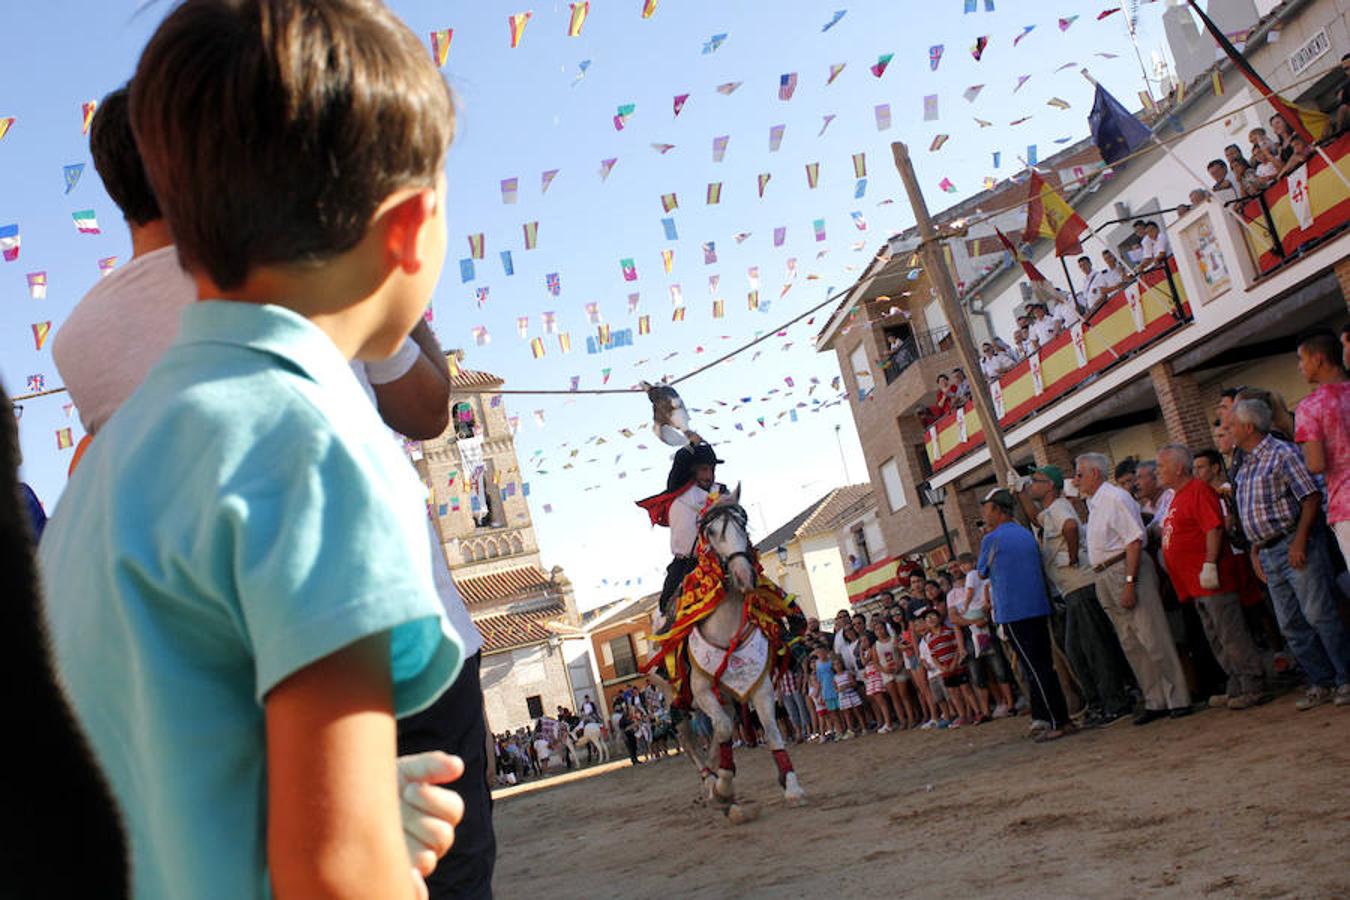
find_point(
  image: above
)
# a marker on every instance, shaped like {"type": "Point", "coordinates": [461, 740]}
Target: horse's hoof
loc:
{"type": "Point", "coordinates": [796, 800]}
{"type": "Point", "coordinates": [742, 812]}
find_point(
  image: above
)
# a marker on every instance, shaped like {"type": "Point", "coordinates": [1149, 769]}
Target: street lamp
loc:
{"type": "Point", "coordinates": [936, 497]}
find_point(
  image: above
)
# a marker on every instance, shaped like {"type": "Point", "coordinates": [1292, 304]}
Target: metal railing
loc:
{"type": "Point", "coordinates": [914, 348]}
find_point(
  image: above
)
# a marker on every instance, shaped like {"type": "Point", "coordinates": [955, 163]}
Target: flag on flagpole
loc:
{"type": "Point", "coordinates": [531, 235]}
{"type": "Point", "coordinates": [440, 45]}
{"type": "Point", "coordinates": [860, 165]}
{"type": "Point", "coordinates": [1115, 131]}
{"type": "Point", "coordinates": [579, 12]}
{"type": "Point", "coordinates": [517, 25]}
{"type": "Point", "coordinates": [1049, 216]}
{"type": "Point", "coordinates": [85, 221]}
{"type": "Point", "coordinates": [37, 285]}
{"type": "Point", "coordinates": [476, 245]}
{"type": "Point", "coordinates": [1027, 265]}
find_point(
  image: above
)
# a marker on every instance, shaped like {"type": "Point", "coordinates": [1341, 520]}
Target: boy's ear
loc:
{"type": "Point", "coordinates": [404, 223]}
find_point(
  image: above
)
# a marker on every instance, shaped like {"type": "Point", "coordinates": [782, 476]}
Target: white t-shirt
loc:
{"type": "Point", "coordinates": [684, 513]}
{"type": "Point", "coordinates": [977, 608]}
{"type": "Point", "coordinates": [1044, 330]}
{"type": "Point", "coordinates": [1067, 314]}
{"type": "Point", "coordinates": [1153, 247]}
{"type": "Point", "coordinates": [1055, 549]}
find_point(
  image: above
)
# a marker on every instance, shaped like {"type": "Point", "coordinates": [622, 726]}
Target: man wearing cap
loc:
{"type": "Point", "coordinates": [1127, 586]}
{"type": "Point", "coordinates": [693, 475]}
{"type": "Point", "coordinates": [1089, 640]}
{"type": "Point", "coordinates": [1010, 559]}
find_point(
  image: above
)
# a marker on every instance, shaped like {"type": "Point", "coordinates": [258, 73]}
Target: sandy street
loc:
{"type": "Point", "coordinates": [1222, 804]}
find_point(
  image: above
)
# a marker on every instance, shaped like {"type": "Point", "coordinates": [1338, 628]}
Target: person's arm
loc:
{"type": "Point", "coordinates": [417, 405]}
{"type": "Point", "coordinates": [1314, 456]}
{"type": "Point", "coordinates": [1133, 554]}
{"type": "Point", "coordinates": [1071, 533]}
{"type": "Point", "coordinates": [429, 813]}
{"type": "Point", "coordinates": [1311, 505]}
{"type": "Point", "coordinates": [333, 825]}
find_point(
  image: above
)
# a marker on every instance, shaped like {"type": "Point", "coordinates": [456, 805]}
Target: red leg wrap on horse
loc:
{"type": "Point", "coordinates": [784, 766]}
{"type": "Point", "coordinates": [724, 759]}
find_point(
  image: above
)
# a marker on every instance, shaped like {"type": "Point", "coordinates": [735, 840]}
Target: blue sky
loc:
{"type": "Point", "coordinates": [522, 112]}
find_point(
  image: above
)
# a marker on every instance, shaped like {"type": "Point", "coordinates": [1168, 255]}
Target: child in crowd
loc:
{"type": "Point", "coordinates": [875, 685]}
{"type": "Point", "coordinates": [283, 601]}
{"type": "Point", "coordinates": [942, 654]}
{"type": "Point", "coordinates": [893, 672]}
{"type": "Point", "coordinates": [846, 688]}
{"type": "Point", "coordinates": [968, 611]}
{"type": "Point", "coordinates": [910, 640]}
{"type": "Point", "coordinates": [816, 705]}
{"type": "Point", "coordinates": [824, 671]}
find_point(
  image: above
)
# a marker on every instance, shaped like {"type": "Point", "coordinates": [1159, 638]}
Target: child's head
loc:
{"type": "Point", "coordinates": [933, 619]}
{"type": "Point", "coordinates": [837, 661]}
{"type": "Point", "coordinates": [282, 135]}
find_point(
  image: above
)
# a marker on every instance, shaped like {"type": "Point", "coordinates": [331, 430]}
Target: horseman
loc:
{"type": "Point", "coordinates": [693, 476]}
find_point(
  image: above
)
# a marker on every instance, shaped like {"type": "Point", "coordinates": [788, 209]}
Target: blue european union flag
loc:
{"type": "Point", "coordinates": [1115, 131]}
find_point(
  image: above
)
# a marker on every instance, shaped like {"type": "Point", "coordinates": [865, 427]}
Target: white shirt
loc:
{"type": "Point", "coordinates": [976, 609]}
{"type": "Point", "coordinates": [684, 513]}
{"type": "Point", "coordinates": [996, 365]}
{"type": "Point", "coordinates": [1113, 523]}
{"type": "Point", "coordinates": [1110, 279]}
{"type": "Point", "coordinates": [1055, 548]}
{"type": "Point", "coordinates": [1044, 330]}
{"type": "Point", "coordinates": [1067, 314]}
{"type": "Point", "coordinates": [117, 333]}
{"type": "Point", "coordinates": [1152, 248]}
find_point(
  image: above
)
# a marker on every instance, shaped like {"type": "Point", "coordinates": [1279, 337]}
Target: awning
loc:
{"type": "Point", "coordinates": [875, 578]}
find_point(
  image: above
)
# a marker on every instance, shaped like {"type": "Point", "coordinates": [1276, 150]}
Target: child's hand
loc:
{"type": "Point", "coordinates": [429, 813]}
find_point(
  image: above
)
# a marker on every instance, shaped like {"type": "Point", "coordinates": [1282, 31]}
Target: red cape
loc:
{"type": "Point", "coordinates": [658, 507]}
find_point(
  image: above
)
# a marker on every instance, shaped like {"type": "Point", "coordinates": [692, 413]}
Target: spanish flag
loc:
{"type": "Point", "coordinates": [678, 316]}
{"type": "Point", "coordinates": [860, 165]}
{"type": "Point", "coordinates": [531, 235]}
{"type": "Point", "coordinates": [579, 13]}
{"type": "Point", "coordinates": [1307, 122]}
{"type": "Point", "coordinates": [648, 8]}
{"type": "Point", "coordinates": [1049, 216]}
{"type": "Point", "coordinates": [719, 309]}
{"type": "Point", "coordinates": [537, 347]}
{"type": "Point", "coordinates": [440, 45]}
{"type": "Point", "coordinates": [1027, 265]}
{"type": "Point", "coordinates": [714, 193]}
{"type": "Point", "coordinates": [565, 342]}
{"type": "Point", "coordinates": [87, 115]}
{"type": "Point", "coordinates": [812, 175]}
{"type": "Point", "coordinates": [476, 245]}
{"type": "Point", "coordinates": [752, 300]}
{"type": "Point", "coordinates": [517, 25]}
{"type": "Point", "coordinates": [64, 440]}
{"type": "Point", "coordinates": [645, 325]}
{"type": "Point", "coordinates": [603, 334]}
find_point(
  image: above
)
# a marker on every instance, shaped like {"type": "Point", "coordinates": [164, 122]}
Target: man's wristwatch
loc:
{"type": "Point", "coordinates": [1129, 579]}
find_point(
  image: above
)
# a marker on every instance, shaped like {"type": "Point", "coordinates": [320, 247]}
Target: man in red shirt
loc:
{"type": "Point", "coordinates": [1203, 568]}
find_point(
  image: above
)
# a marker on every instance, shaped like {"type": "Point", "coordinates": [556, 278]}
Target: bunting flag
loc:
{"type": "Point", "coordinates": [883, 61]}
{"type": "Point", "coordinates": [440, 45]}
{"type": "Point", "coordinates": [1014, 121]}
{"type": "Point", "coordinates": [934, 57]}
{"type": "Point", "coordinates": [998, 159]}
{"type": "Point", "coordinates": [812, 175]}
{"type": "Point", "coordinates": [545, 179]}
{"type": "Point", "coordinates": [1216, 82]}
{"type": "Point", "coordinates": [680, 101]}
{"type": "Point", "coordinates": [633, 300]}
{"type": "Point", "coordinates": [550, 322]}
{"type": "Point", "coordinates": [108, 263]}
{"type": "Point", "coordinates": [719, 147]}
{"type": "Point", "coordinates": [1049, 216]}
{"type": "Point", "coordinates": [517, 25]}
{"type": "Point", "coordinates": [989, 183]}
{"type": "Point", "coordinates": [87, 114]}
{"type": "Point", "coordinates": [669, 202]}
{"type": "Point", "coordinates": [819, 226]}
{"type": "Point", "coordinates": [947, 186]}
{"type": "Point", "coordinates": [37, 285]}
{"type": "Point", "coordinates": [825, 124]}
{"type": "Point", "coordinates": [40, 332]}
{"type": "Point", "coordinates": [1057, 103]}
{"type": "Point", "coordinates": [607, 166]}
{"type": "Point", "coordinates": [775, 137]}
{"type": "Point", "coordinates": [729, 88]}
{"type": "Point", "coordinates": [623, 114]}
{"type": "Point", "coordinates": [834, 19]}
{"type": "Point", "coordinates": [578, 19]}
{"type": "Point", "coordinates": [667, 260]}
{"type": "Point", "coordinates": [9, 242]}
{"type": "Point", "coordinates": [510, 190]}
{"type": "Point", "coordinates": [629, 269]}
{"type": "Point", "coordinates": [603, 334]}
{"type": "Point", "coordinates": [476, 245]}
{"type": "Point", "coordinates": [930, 108]}
{"type": "Point", "coordinates": [860, 189]}
{"type": "Point", "coordinates": [36, 384]}
{"type": "Point", "coordinates": [752, 275]}
{"type": "Point", "coordinates": [604, 379]}
{"type": "Point", "coordinates": [64, 440]}
{"type": "Point", "coordinates": [1033, 156]}
{"type": "Point", "coordinates": [858, 221]}
{"type": "Point", "coordinates": [531, 235]}
{"type": "Point", "coordinates": [553, 283]}
{"type": "Point", "coordinates": [779, 235]}
{"type": "Point", "coordinates": [582, 68]}
{"type": "Point", "coordinates": [1021, 80]}
{"type": "Point", "coordinates": [523, 326]}
{"type": "Point", "coordinates": [787, 85]}
{"type": "Point", "coordinates": [1028, 266]}
{"type": "Point", "coordinates": [508, 267]}
{"type": "Point", "coordinates": [711, 45]}
{"type": "Point", "coordinates": [972, 92]}
{"type": "Point", "coordinates": [714, 193]}
{"type": "Point", "coordinates": [676, 295]}
{"type": "Point", "coordinates": [709, 253]}
{"type": "Point", "coordinates": [752, 300]}
{"type": "Point", "coordinates": [648, 8]}
{"type": "Point", "coordinates": [481, 297]}
{"type": "Point", "coordinates": [1026, 30]}
{"type": "Point", "coordinates": [565, 342]}
{"type": "Point", "coordinates": [72, 175]}
{"type": "Point", "coordinates": [644, 325]}
{"type": "Point", "coordinates": [1308, 123]}
{"type": "Point", "coordinates": [678, 315]}
{"type": "Point", "coordinates": [6, 123]}
{"type": "Point", "coordinates": [714, 281]}
{"type": "Point", "coordinates": [669, 226]}
{"type": "Point", "coordinates": [978, 50]}
{"type": "Point", "coordinates": [537, 348]}
{"type": "Point", "coordinates": [883, 114]}
{"type": "Point", "coordinates": [481, 338]}
{"type": "Point", "coordinates": [835, 69]}
{"type": "Point", "coordinates": [860, 165]}
{"type": "Point", "coordinates": [466, 273]}
{"type": "Point", "coordinates": [1106, 12]}
{"type": "Point", "coordinates": [938, 141]}
{"type": "Point", "coordinates": [763, 182]}
{"type": "Point", "coordinates": [85, 221]}
{"type": "Point", "coordinates": [719, 309]}
{"type": "Point", "coordinates": [1066, 21]}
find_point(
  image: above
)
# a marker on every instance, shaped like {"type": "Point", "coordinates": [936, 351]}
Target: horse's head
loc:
{"type": "Point", "coordinates": [724, 527]}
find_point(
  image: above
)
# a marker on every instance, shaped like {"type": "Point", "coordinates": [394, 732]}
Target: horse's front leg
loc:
{"type": "Point", "coordinates": [706, 700]}
{"type": "Point", "coordinates": [787, 777]}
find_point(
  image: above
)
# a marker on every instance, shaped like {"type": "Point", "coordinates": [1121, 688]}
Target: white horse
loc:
{"type": "Point", "coordinates": [592, 733]}
{"type": "Point", "coordinates": [723, 526]}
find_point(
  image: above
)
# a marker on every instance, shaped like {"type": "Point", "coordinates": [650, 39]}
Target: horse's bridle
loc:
{"type": "Point", "coordinates": [739, 516]}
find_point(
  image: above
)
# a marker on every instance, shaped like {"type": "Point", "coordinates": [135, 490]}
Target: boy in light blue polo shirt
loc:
{"type": "Point", "coordinates": [238, 589]}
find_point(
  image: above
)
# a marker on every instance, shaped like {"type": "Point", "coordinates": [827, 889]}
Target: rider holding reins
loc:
{"type": "Point", "coordinates": [693, 476]}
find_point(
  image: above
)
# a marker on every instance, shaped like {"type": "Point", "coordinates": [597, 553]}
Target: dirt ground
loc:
{"type": "Point", "coordinates": [1221, 804]}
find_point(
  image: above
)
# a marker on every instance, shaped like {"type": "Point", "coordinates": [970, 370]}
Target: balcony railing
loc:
{"type": "Point", "coordinates": [1301, 210]}
{"type": "Point", "coordinates": [1136, 316]}
{"type": "Point", "coordinates": [912, 349]}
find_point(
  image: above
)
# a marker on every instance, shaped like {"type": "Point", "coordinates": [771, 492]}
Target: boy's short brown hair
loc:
{"type": "Point", "coordinates": [272, 129]}
{"type": "Point", "coordinates": [113, 147]}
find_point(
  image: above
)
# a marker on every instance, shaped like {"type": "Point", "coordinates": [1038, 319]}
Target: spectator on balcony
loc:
{"type": "Point", "coordinates": [1301, 151]}
{"type": "Point", "coordinates": [1064, 311]}
{"type": "Point", "coordinates": [1024, 343]}
{"type": "Point", "coordinates": [1261, 141]}
{"type": "Point", "coordinates": [1108, 279]}
{"type": "Point", "coordinates": [1127, 586]}
{"type": "Point", "coordinates": [1249, 183]}
{"type": "Point", "coordinates": [1323, 427]}
{"type": "Point", "coordinates": [1223, 189]}
{"type": "Point", "coordinates": [1232, 153]}
{"type": "Point", "coordinates": [1156, 247]}
{"type": "Point", "coordinates": [1340, 118]}
{"type": "Point", "coordinates": [1197, 196]}
{"type": "Point", "coordinates": [1283, 134]}
{"type": "Point", "coordinates": [1044, 327]}
{"type": "Point", "coordinates": [1083, 297]}
{"type": "Point", "coordinates": [1267, 163]}
{"type": "Point", "coordinates": [960, 388]}
{"type": "Point", "coordinates": [1002, 347]}
{"type": "Point", "coordinates": [994, 362]}
{"type": "Point", "coordinates": [1278, 505]}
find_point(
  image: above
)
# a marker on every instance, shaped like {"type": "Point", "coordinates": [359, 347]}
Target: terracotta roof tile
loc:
{"type": "Point", "coordinates": [517, 629]}
{"type": "Point", "coordinates": [471, 378]}
{"type": "Point", "coordinates": [503, 585]}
